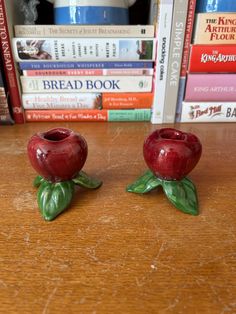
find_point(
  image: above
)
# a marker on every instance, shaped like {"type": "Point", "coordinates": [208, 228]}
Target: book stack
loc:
{"type": "Point", "coordinates": [5, 114]}
{"type": "Point", "coordinates": [85, 72]}
{"type": "Point", "coordinates": [210, 94]}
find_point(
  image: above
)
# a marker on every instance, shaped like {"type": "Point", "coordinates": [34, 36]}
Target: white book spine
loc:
{"type": "Point", "coordinates": [208, 112]}
{"type": "Point", "coordinates": [175, 58]}
{"type": "Point", "coordinates": [163, 40]}
{"type": "Point", "coordinates": [83, 49]}
{"type": "Point", "coordinates": [62, 101]}
{"type": "Point", "coordinates": [84, 84]}
{"type": "Point", "coordinates": [86, 31]}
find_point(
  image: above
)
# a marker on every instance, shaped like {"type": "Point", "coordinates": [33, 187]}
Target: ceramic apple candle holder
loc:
{"type": "Point", "coordinates": [58, 156]}
{"type": "Point", "coordinates": [170, 155]}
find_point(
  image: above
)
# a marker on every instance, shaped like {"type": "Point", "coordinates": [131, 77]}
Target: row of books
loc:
{"type": "Point", "coordinates": [151, 72]}
{"type": "Point", "coordinates": [210, 91]}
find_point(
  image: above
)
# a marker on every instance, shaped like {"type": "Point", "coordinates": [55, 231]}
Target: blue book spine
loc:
{"type": "Point", "coordinates": [84, 65]}
{"type": "Point", "coordinates": [208, 6]}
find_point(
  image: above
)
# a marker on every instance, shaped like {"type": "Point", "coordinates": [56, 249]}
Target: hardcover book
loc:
{"type": "Point", "coordinates": [88, 115]}
{"type": "Point", "coordinates": [211, 87]}
{"type": "Point", "coordinates": [85, 31]}
{"type": "Point", "coordinates": [209, 112]}
{"type": "Point", "coordinates": [185, 57]}
{"type": "Point", "coordinates": [215, 28]}
{"type": "Point", "coordinates": [83, 49]}
{"type": "Point", "coordinates": [212, 58]}
{"type": "Point", "coordinates": [67, 84]}
{"type": "Point", "coordinates": [8, 16]}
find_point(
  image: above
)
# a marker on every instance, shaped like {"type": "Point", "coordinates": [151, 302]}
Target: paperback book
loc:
{"type": "Point", "coordinates": [160, 76]}
{"type": "Point", "coordinates": [56, 84]}
{"type": "Point", "coordinates": [175, 58]}
{"type": "Point", "coordinates": [83, 31]}
{"type": "Point", "coordinates": [35, 65]}
{"type": "Point", "coordinates": [209, 112]}
{"type": "Point", "coordinates": [88, 115]}
{"type": "Point", "coordinates": [88, 72]}
{"type": "Point", "coordinates": [83, 49]}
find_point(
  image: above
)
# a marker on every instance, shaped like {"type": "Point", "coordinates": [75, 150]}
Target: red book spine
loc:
{"type": "Point", "coordinates": [213, 59]}
{"type": "Point", "coordinates": [188, 37]}
{"type": "Point", "coordinates": [9, 66]}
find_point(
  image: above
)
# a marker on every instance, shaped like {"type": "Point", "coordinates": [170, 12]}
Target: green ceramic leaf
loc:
{"type": "Point", "coordinates": [144, 184]}
{"type": "Point", "coordinates": [86, 181]}
{"type": "Point", "coordinates": [38, 180]}
{"type": "Point", "coordinates": [182, 194]}
{"type": "Point", "coordinates": [53, 198]}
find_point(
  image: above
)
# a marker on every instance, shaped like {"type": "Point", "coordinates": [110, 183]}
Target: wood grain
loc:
{"type": "Point", "coordinates": [113, 251]}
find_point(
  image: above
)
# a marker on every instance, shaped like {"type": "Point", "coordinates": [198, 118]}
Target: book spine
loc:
{"type": "Point", "coordinates": [9, 66]}
{"type": "Point", "coordinates": [34, 65]}
{"type": "Point", "coordinates": [175, 58]}
{"type": "Point", "coordinates": [5, 115]}
{"type": "Point", "coordinates": [80, 31]}
{"type": "Point", "coordinates": [127, 100]}
{"type": "Point", "coordinates": [83, 49]}
{"type": "Point", "coordinates": [188, 37]}
{"type": "Point", "coordinates": [185, 57]}
{"type": "Point", "coordinates": [215, 28]}
{"type": "Point", "coordinates": [209, 112]}
{"type": "Point", "coordinates": [206, 6]}
{"type": "Point", "coordinates": [87, 72]}
{"type": "Point", "coordinates": [62, 101]}
{"type": "Point", "coordinates": [99, 84]}
{"type": "Point", "coordinates": [211, 87]}
{"type": "Point", "coordinates": [160, 76]}
{"type": "Point", "coordinates": [213, 59]}
{"type": "Point", "coordinates": [88, 115]}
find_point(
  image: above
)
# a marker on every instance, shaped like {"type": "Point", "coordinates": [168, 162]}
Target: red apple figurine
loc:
{"type": "Point", "coordinates": [170, 155]}
{"type": "Point", "coordinates": [58, 156]}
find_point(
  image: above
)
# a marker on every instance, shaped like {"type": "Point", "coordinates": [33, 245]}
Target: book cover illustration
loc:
{"type": "Point", "coordinates": [80, 49]}
{"type": "Point", "coordinates": [215, 6]}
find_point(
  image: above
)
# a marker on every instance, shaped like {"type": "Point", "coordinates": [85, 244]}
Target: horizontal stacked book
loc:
{"type": "Point", "coordinates": [210, 94]}
{"type": "Point", "coordinates": [85, 72]}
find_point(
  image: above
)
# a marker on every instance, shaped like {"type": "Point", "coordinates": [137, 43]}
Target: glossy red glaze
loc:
{"type": "Point", "coordinates": [58, 154]}
{"type": "Point", "coordinates": [171, 154]}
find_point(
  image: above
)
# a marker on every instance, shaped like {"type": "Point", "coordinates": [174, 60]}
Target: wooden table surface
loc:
{"type": "Point", "coordinates": [113, 251]}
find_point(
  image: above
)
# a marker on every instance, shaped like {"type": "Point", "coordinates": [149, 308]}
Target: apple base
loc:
{"type": "Point", "coordinates": [54, 198]}
{"type": "Point", "coordinates": [182, 194]}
